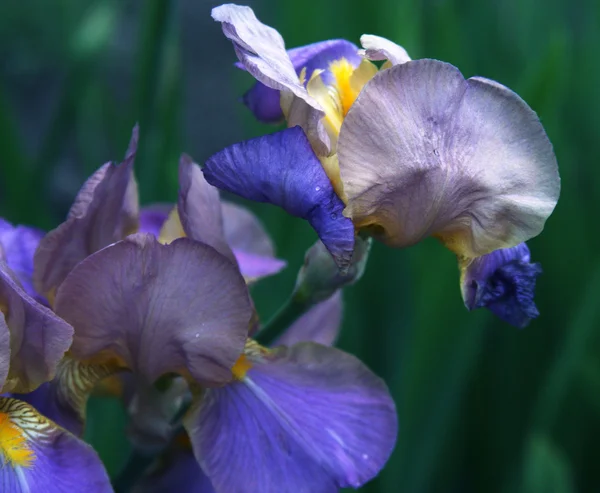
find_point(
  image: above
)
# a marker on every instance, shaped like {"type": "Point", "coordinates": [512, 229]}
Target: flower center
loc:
{"type": "Point", "coordinates": [241, 367]}
{"type": "Point", "coordinates": [13, 444]}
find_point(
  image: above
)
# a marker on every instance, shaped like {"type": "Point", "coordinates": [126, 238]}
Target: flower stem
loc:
{"type": "Point", "coordinates": [291, 311]}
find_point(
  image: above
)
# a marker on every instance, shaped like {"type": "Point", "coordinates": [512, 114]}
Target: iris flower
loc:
{"type": "Point", "coordinates": [37, 454]}
{"type": "Point", "coordinates": [404, 151]}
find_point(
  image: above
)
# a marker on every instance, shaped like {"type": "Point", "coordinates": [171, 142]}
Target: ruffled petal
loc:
{"type": "Point", "coordinates": [378, 48]}
{"type": "Point", "coordinates": [264, 102]}
{"type": "Point", "coordinates": [38, 338]}
{"type": "Point", "coordinates": [153, 217]}
{"type": "Point", "coordinates": [320, 324]}
{"type": "Point", "coordinates": [424, 152]}
{"type": "Point", "coordinates": [308, 419]}
{"type": "Point", "coordinates": [282, 169]}
{"type": "Point", "coordinates": [39, 456]}
{"type": "Point", "coordinates": [504, 282]}
{"type": "Point", "coordinates": [104, 211]}
{"type": "Point", "coordinates": [19, 244]}
{"type": "Point", "coordinates": [157, 309]}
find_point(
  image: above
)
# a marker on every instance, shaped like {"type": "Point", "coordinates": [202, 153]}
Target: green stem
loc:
{"type": "Point", "coordinates": [291, 311]}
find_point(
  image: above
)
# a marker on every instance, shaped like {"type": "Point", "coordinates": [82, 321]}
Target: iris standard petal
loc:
{"type": "Point", "coordinates": [199, 208]}
{"type": "Point", "coordinates": [504, 282]}
{"type": "Point", "coordinates": [19, 244]}
{"type": "Point", "coordinates": [180, 307]}
{"type": "Point", "coordinates": [254, 267]}
{"type": "Point", "coordinates": [38, 338]}
{"type": "Point", "coordinates": [378, 48]}
{"type": "Point", "coordinates": [39, 456]}
{"type": "Point", "coordinates": [104, 211]}
{"type": "Point", "coordinates": [425, 152]}
{"type": "Point", "coordinates": [306, 419]}
{"type": "Point", "coordinates": [153, 217]}
{"type": "Point", "coordinates": [264, 102]}
{"type": "Point", "coordinates": [320, 324]}
{"type": "Point", "coordinates": [282, 169]}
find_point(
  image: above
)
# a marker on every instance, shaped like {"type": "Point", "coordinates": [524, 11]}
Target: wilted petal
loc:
{"type": "Point", "coordinates": [19, 244]}
{"type": "Point", "coordinates": [378, 48]}
{"type": "Point", "coordinates": [308, 419]}
{"type": "Point", "coordinates": [504, 282]}
{"type": "Point", "coordinates": [153, 217]}
{"type": "Point", "coordinates": [179, 472]}
{"type": "Point", "coordinates": [282, 169]}
{"type": "Point", "coordinates": [38, 338]}
{"type": "Point", "coordinates": [320, 324]}
{"type": "Point", "coordinates": [199, 208]}
{"type": "Point", "coordinates": [422, 152]}
{"type": "Point", "coordinates": [264, 102]}
{"type": "Point", "coordinates": [39, 456]}
{"type": "Point", "coordinates": [180, 307]}
{"type": "Point", "coordinates": [104, 211]}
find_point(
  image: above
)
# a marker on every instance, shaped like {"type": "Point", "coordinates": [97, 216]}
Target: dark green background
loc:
{"type": "Point", "coordinates": [483, 407]}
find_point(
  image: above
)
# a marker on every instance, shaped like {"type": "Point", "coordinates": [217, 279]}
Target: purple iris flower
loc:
{"type": "Point", "coordinates": [37, 454]}
{"type": "Point", "coordinates": [504, 282]}
{"type": "Point", "coordinates": [304, 418]}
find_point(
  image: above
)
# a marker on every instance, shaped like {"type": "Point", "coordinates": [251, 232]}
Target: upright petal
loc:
{"type": "Point", "coordinates": [39, 456]}
{"type": "Point", "coordinates": [157, 309]}
{"type": "Point", "coordinates": [320, 324]}
{"type": "Point", "coordinates": [504, 282]}
{"type": "Point", "coordinates": [282, 169]}
{"type": "Point", "coordinates": [38, 338]}
{"type": "Point", "coordinates": [378, 48]}
{"type": "Point", "coordinates": [19, 244]}
{"type": "Point", "coordinates": [264, 102]}
{"type": "Point", "coordinates": [103, 212]}
{"type": "Point", "coordinates": [308, 419]}
{"type": "Point", "coordinates": [422, 152]}
{"type": "Point", "coordinates": [199, 208]}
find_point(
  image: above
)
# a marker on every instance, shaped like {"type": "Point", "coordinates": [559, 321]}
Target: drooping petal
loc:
{"type": "Point", "coordinates": [504, 282]}
{"type": "Point", "coordinates": [320, 324]}
{"type": "Point", "coordinates": [199, 208]}
{"type": "Point", "coordinates": [153, 217]}
{"type": "Point", "coordinates": [38, 338]}
{"type": "Point", "coordinates": [104, 211]}
{"type": "Point", "coordinates": [19, 244]}
{"type": "Point", "coordinates": [178, 472]}
{"type": "Point", "coordinates": [39, 456]}
{"type": "Point", "coordinates": [264, 102]}
{"type": "Point", "coordinates": [305, 419]}
{"type": "Point", "coordinates": [425, 152]}
{"type": "Point", "coordinates": [282, 169]}
{"type": "Point", "coordinates": [157, 309]}
{"type": "Point", "coordinates": [378, 48]}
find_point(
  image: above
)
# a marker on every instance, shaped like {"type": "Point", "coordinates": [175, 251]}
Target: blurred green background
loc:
{"type": "Point", "coordinates": [483, 407]}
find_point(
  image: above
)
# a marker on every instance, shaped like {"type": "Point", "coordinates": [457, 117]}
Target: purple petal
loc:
{"type": "Point", "coordinates": [425, 152]}
{"type": "Point", "coordinates": [254, 267]}
{"type": "Point", "coordinates": [264, 102]}
{"type": "Point", "coordinates": [104, 211]}
{"type": "Point", "coordinates": [504, 282]}
{"type": "Point", "coordinates": [243, 230]}
{"type": "Point", "coordinates": [4, 349]}
{"type": "Point", "coordinates": [153, 217]}
{"type": "Point", "coordinates": [307, 419]}
{"type": "Point", "coordinates": [378, 48]}
{"type": "Point", "coordinates": [49, 459]}
{"type": "Point", "coordinates": [320, 324]}
{"type": "Point", "coordinates": [19, 244]}
{"type": "Point", "coordinates": [199, 208]}
{"type": "Point", "coordinates": [179, 472]}
{"type": "Point", "coordinates": [282, 169]}
{"type": "Point", "coordinates": [180, 307]}
{"type": "Point", "coordinates": [38, 338]}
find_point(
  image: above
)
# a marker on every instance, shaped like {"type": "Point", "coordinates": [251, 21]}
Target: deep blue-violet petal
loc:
{"type": "Point", "coordinates": [504, 282]}
{"type": "Point", "coordinates": [282, 169]}
{"type": "Point", "coordinates": [153, 217]}
{"type": "Point", "coordinates": [19, 244]}
{"type": "Point", "coordinates": [58, 462]}
{"type": "Point", "coordinates": [305, 419]}
{"type": "Point", "coordinates": [264, 101]}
